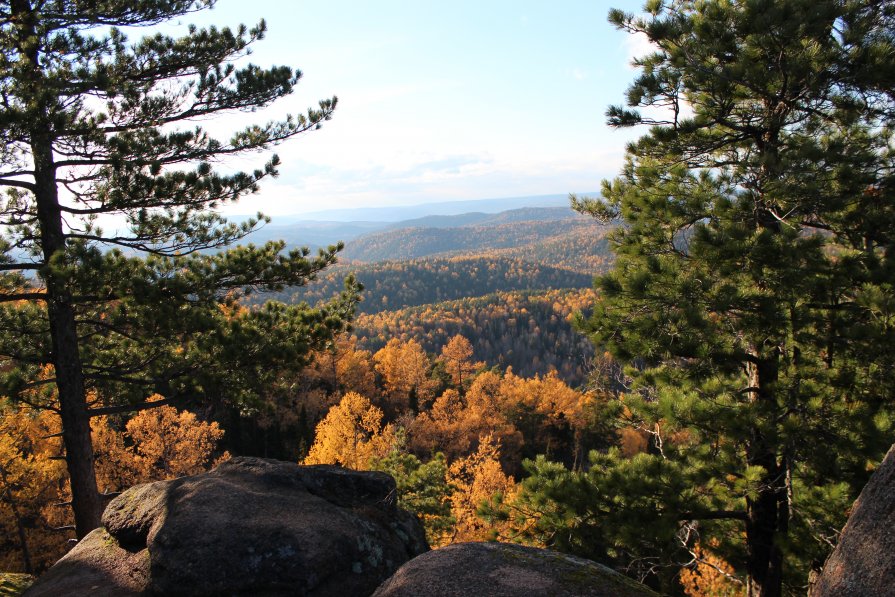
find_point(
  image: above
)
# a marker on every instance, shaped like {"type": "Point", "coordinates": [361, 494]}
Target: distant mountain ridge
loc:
{"type": "Point", "coordinates": [322, 233]}
{"type": "Point", "coordinates": [312, 234]}
{"type": "Point", "coordinates": [447, 208]}
{"type": "Point", "coordinates": [522, 214]}
{"type": "Point", "coordinates": [504, 231]}
{"type": "Point", "coordinates": [303, 231]}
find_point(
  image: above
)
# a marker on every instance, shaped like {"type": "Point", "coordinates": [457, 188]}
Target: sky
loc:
{"type": "Point", "coordinates": [438, 101]}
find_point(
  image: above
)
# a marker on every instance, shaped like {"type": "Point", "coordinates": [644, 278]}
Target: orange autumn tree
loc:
{"type": "Point", "coordinates": [476, 479]}
{"type": "Point", "coordinates": [351, 434]}
{"type": "Point", "coordinates": [455, 423]}
{"type": "Point", "coordinates": [160, 443]}
{"type": "Point", "coordinates": [552, 416]}
{"type": "Point", "coordinates": [343, 367]}
{"type": "Point", "coordinates": [710, 576]}
{"type": "Point", "coordinates": [457, 355]}
{"type": "Point", "coordinates": [404, 367]}
{"type": "Point", "coordinates": [156, 444]}
{"type": "Point", "coordinates": [32, 480]}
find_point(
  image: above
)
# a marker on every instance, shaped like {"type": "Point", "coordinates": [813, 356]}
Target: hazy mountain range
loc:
{"type": "Point", "coordinates": [328, 227]}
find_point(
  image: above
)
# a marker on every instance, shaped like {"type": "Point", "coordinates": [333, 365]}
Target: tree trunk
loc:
{"type": "Point", "coordinates": [764, 560]}
{"type": "Point", "coordinates": [86, 501]}
{"type": "Point", "coordinates": [763, 513]}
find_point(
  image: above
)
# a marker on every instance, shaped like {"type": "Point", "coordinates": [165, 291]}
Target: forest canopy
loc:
{"type": "Point", "coordinates": [738, 387]}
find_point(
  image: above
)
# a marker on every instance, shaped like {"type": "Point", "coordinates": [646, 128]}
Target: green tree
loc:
{"type": "Point", "coordinates": [111, 256]}
{"type": "Point", "coordinates": [752, 293]}
{"type": "Point", "coordinates": [422, 487]}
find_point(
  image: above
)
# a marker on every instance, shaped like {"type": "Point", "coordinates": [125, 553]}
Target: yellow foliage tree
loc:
{"type": "Point", "coordinates": [710, 576]}
{"type": "Point", "coordinates": [32, 483]}
{"type": "Point", "coordinates": [351, 434]}
{"type": "Point", "coordinates": [475, 480]}
{"type": "Point", "coordinates": [553, 417]}
{"type": "Point", "coordinates": [455, 423]}
{"type": "Point", "coordinates": [170, 443]}
{"type": "Point", "coordinates": [158, 443]}
{"type": "Point", "coordinates": [114, 465]}
{"type": "Point", "coordinates": [457, 355]}
{"type": "Point", "coordinates": [404, 367]}
{"type": "Point", "coordinates": [547, 395]}
{"type": "Point", "coordinates": [344, 368]}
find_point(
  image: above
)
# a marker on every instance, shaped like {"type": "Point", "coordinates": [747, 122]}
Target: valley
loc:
{"type": "Point", "coordinates": [509, 281]}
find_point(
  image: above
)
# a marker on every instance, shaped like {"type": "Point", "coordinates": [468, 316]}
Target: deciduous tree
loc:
{"type": "Point", "coordinates": [351, 435]}
{"type": "Point", "coordinates": [31, 486]}
{"type": "Point", "coordinates": [476, 479]}
{"type": "Point", "coordinates": [343, 367]}
{"type": "Point", "coordinates": [404, 367]}
{"type": "Point", "coordinates": [457, 355]}
{"type": "Point", "coordinates": [455, 423]}
{"type": "Point", "coordinates": [156, 444]}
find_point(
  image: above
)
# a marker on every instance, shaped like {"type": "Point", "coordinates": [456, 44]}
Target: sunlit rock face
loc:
{"type": "Point", "coordinates": [863, 562]}
{"type": "Point", "coordinates": [505, 570]}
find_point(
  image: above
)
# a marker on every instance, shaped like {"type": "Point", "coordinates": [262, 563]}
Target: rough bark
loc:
{"type": "Point", "coordinates": [764, 561]}
{"type": "Point", "coordinates": [86, 501]}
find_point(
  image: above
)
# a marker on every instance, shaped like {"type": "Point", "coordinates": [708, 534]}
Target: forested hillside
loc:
{"type": "Point", "coordinates": [399, 284]}
{"type": "Point", "coordinates": [477, 218]}
{"type": "Point", "coordinates": [411, 243]}
{"type": "Point", "coordinates": [529, 331]}
{"type": "Point", "coordinates": [581, 249]}
{"type": "Point", "coordinates": [509, 281]}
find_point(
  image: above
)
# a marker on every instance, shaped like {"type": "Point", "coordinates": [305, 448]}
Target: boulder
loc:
{"type": "Point", "coordinates": [250, 527]}
{"type": "Point", "coordinates": [506, 570]}
{"type": "Point", "coordinates": [863, 562]}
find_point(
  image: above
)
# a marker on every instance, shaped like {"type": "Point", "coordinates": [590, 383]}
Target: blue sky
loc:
{"type": "Point", "coordinates": [440, 101]}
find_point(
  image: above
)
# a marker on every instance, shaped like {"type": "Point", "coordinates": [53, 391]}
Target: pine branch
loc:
{"type": "Point", "coordinates": [127, 408]}
{"type": "Point", "coordinates": [713, 515]}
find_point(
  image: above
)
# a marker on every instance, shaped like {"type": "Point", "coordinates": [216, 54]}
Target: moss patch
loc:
{"type": "Point", "coordinates": [13, 584]}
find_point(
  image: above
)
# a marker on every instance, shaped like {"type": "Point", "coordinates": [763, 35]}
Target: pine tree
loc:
{"type": "Point", "coordinates": [100, 131]}
{"type": "Point", "coordinates": [422, 487]}
{"type": "Point", "coordinates": [753, 290]}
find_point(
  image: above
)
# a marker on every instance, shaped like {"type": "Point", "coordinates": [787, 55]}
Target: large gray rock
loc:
{"type": "Point", "coordinates": [250, 527]}
{"type": "Point", "coordinates": [863, 562]}
{"type": "Point", "coordinates": [506, 570]}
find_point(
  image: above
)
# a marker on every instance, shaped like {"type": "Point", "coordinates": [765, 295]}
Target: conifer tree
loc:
{"type": "Point", "coordinates": [113, 271]}
{"type": "Point", "coordinates": [753, 288]}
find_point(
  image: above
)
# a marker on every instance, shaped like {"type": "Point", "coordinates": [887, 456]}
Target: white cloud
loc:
{"type": "Point", "coordinates": [432, 178]}
{"type": "Point", "coordinates": [637, 45]}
